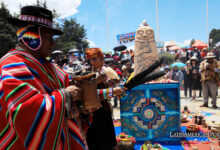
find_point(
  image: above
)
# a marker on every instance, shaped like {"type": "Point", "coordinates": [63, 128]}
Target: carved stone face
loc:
{"type": "Point", "coordinates": [144, 33]}
{"type": "Point", "coordinates": [145, 52]}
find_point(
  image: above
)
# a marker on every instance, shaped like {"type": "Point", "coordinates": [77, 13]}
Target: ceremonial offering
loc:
{"type": "Point", "coordinates": [192, 128]}
{"type": "Point", "coordinates": [90, 104]}
{"type": "Point", "coordinates": [148, 146]}
{"type": "Point", "coordinates": [184, 118]}
{"type": "Point", "coordinates": [84, 77]}
{"type": "Point", "coordinates": [146, 75]}
{"type": "Point", "coordinates": [125, 139]}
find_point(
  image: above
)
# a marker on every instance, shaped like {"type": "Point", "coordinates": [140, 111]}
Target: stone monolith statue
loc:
{"type": "Point", "coordinates": [145, 51]}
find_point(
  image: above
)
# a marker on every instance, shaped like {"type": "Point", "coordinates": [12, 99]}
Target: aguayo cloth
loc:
{"type": "Point", "coordinates": [32, 106]}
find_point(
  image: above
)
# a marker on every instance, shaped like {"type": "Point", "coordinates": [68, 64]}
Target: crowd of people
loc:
{"type": "Point", "coordinates": [42, 104]}
{"type": "Point", "coordinates": [201, 73]}
{"type": "Point", "coordinates": [189, 76]}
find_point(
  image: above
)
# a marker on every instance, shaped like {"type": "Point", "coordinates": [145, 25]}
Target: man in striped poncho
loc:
{"type": "Point", "coordinates": [37, 108]}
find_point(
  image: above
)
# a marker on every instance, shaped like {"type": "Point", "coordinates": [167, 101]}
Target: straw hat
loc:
{"type": "Point", "coordinates": [210, 55]}
{"type": "Point", "coordinates": [194, 58]}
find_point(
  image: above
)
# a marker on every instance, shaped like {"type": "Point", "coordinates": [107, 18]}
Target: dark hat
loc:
{"type": "Point", "coordinates": [109, 60]}
{"type": "Point", "coordinates": [37, 16]}
{"type": "Point", "coordinates": [124, 60]}
{"type": "Point", "coordinates": [120, 48]}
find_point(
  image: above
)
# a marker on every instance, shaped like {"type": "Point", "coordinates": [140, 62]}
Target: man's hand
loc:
{"type": "Point", "coordinates": [100, 77]}
{"type": "Point", "coordinates": [118, 91]}
{"type": "Point", "coordinates": [75, 92]}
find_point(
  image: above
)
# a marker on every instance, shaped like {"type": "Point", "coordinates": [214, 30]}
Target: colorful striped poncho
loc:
{"type": "Point", "coordinates": [32, 106]}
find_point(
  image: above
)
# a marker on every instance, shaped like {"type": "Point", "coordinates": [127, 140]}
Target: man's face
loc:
{"type": "Point", "coordinates": [47, 42]}
{"type": "Point", "coordinates": [175, 68]}
{"type": "Point", "coordinates": [210, 60]}
{"type": "Point", "coordinates": [166, 69]}
{"type": "Point", "coordinates": [128, 65]}
{"type": "Point", "coordinates": [97, 62]}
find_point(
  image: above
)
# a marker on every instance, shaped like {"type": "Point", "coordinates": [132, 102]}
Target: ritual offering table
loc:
{"type": "Point", "coordinates": [151, 112]}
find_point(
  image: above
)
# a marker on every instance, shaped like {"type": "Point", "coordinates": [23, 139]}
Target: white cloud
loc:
{"type": "Point", "coordinates": [64, 8]}
{"type": "Point", "coordinates": [95, 27]}
{"type": "Point", "coordinates": [186, 43]}
{"type": "Point", "coordinates": [91, 44]}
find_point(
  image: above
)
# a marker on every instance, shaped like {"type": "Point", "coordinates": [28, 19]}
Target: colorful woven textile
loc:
{"type": "Point", "coordinates": [32, 105]}
{"type": "Point", "coordinates": [30, 36]}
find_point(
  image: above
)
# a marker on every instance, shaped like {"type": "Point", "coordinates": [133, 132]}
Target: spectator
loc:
{"type": "Point", "coordinates": [163, 65]}
{"type": "Point", "coordinates": [116, 57]}
{"type": "Point", "coordinates": [216, 52]}
{"type": "Point", "coordinates": [188, 54]}
{"type": "Point", "coordinates": [203, 53]}
{"type": "Point", "coordinates": [183, 56]}
{"type": "Point", "coordinates": [167, 72]}
{"type": "Point", "coordinates": [127, 55]}
{"type": "Point", "coordinates": [177, 75]}
{"type": "Point", "coordinates": [187, 79]}
{"type": "Point", "coordinates": [209, 72]}
{"type": "Point", "coordinates": [127, 70]}
{"type": "Point", "coordinates": [195, 76]}
{"type": "Point", "coordinates": [196, 53]}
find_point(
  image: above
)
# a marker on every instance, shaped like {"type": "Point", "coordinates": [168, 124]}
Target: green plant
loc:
{"type": "Point", "coordinates": [168, 57]}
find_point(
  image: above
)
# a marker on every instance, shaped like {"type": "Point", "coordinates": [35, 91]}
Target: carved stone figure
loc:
{"type": "Point", "coordinates": [145, 51]}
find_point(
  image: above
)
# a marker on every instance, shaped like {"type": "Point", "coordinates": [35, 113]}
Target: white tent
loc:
{"type": "Point", "coordinates": [170, 43]}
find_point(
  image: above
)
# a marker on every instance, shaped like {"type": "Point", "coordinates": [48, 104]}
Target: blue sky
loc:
{"type": "Point", "coordinates": [179, 20]}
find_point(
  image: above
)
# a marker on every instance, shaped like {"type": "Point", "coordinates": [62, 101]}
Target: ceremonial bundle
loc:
{"type": "Point", "coordinates": [92, 102]}
{"type": "Point", "coordinates": [146, 75]}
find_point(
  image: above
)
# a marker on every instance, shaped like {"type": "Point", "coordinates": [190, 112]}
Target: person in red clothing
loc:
{"type": "Point", "coordinates": [203, 53]}
{"type": "Point", "coordinates": [116, 57]}
{"type": "Point", "coordinates": [38, 109]}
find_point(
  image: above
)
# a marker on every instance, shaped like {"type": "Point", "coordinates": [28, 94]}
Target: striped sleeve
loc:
{"type": "Point", "coordinates": [34, 118]}
{"type": "Point", "coordinates": [104, 93]}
